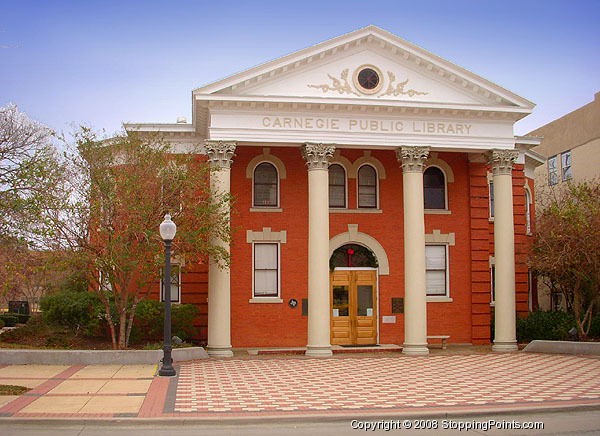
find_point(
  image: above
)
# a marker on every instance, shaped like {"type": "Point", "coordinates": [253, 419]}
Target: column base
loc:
{"type": "Point", "coordinates": [216, 351]}
{"type": "Point", "coordinates": [415, 349]}
{"type": "Point", "coordinates": [503, 346]}
{"type": "Point", "coordinates": [318, 351]}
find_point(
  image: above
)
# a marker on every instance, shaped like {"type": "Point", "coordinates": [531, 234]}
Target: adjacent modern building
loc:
{"type": "Point", "coordinates": [382, 197]}
{"type": "Point", "coordinates": [570, 147]}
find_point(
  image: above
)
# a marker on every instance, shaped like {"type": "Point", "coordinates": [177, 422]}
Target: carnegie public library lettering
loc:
{"type": "Point", "coordinates": [381, 199]}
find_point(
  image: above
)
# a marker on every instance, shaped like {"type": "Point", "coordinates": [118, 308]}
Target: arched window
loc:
{"type": "Point", "coordinates": [528, 210]}
{"type": "Point", "coordinates": [434, 186]}
{"type": "Point", "coordinates": [337, 186]}
{"type": "Point", "coordinates": [367, 186]}
{"type": "Point", "coordinates": [265, 185]}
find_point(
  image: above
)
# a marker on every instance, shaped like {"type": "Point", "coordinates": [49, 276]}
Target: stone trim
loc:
{"type": "Point", "coordinates": [317, 155]}
{"type": "Point", "coordinates": [412, 159]}
{"type": "Point", "coordinates": [266, 236]}
{"type": "Point", "coordinates": [435, 161]}
{"type": "Point", "coordinates": [344, 162]}
{"type": "Point", "coordinates": [502, 161]}
{"type": "Point", "coordinates": [266, 157]}
{"type": "Point", "coordinates": [220, 153]}
{"type": "Point", "coordinates": [354, 236]}
{"type": "Point", "coordinates": [440, 238]}
{"type": "Point", "coordinates": [370, 160]}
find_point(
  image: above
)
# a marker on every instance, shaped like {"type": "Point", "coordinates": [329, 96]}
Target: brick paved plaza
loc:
{"type": "Point", "coordinates": [284, 385]}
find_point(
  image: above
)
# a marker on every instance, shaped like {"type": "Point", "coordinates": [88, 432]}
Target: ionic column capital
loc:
{"type": "Point", "coordinates": [317, 155]}
{"type": "Point", "coordinates": [220, 153]}
{"type": "Point", "coordinates": [412, 158]}
{"type": "Point", "coordinates": [502, 160]}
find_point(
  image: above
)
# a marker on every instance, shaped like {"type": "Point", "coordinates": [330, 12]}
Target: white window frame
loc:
{"type": "Point", "coordinates": [492, 281]}
{"type": "Point", "coordinates": [271, 297]}
{"type": "Point", "coordinates": [263, 207]}
{"type": "Point", "coordinates": [269, 237]}
{"type": "Point", "coordinates": [432, 297]}
{"type": "Point", "coordinates": [564, 167]}
{"type": "Point", "coordinates": [445, 208]}
{"type": "Point", "coordinates": [345, 187]}
{"type": "Point", "coordinates": [552, 181]}
{"type": "Point", "coordinates": [358, 206]}
{"type": "Point", "coordinates": [528, 203]}
{"type": "Point", "coordinates": [162, 281]}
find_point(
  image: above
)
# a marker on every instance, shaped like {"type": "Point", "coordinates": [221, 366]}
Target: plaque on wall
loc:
{"type": "Point", "coordinates": [397, 305]}
{"type": "Point", "coordinates": [305, 307]}
{"type": "Point", "coordinates": [293, 303]}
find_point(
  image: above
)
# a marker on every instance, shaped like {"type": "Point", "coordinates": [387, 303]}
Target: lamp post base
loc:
{"type": "Point", "coordinates": [167, 369]}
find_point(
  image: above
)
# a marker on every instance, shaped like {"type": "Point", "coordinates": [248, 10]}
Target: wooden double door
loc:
{"type": "Point", "coordinates": [354, 307]}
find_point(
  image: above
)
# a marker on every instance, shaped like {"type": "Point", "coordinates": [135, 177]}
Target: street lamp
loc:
{"type": "Point", "coordinates": [167, 233]}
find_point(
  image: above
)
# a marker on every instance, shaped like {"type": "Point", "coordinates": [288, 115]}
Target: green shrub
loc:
{"type": "Point", "coordinates": [552, 326]}
{"type": "Point", "coordinates": [9, 319]}
{"type": "Point", "coordinates": [148, 323]}
{"type": "Point", "coordinates": [1, 323]}
{"type": "Point", "coordinates": [81, 311]}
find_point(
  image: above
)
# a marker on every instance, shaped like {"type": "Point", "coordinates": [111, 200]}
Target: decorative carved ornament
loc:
{"type": "Point", "coordinates": [502, 160]}
{"type": "Point", "coordinates": [340, 85]}
{"type": "Point", "coordinates": [398, 89]}
{"type": "Point", "coordinates": [317, 155]}
{"type": "Point", "coordinates": [219, 153]}
{"type": "Point", "coordinates": [412, 158]}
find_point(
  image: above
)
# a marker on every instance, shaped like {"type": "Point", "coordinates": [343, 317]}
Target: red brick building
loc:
{"type": "Point", "coordinates": [380, 193]}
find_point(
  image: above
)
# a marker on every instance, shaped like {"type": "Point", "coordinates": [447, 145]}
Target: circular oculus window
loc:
{"type": "Point", "coordinates": [367, 79]}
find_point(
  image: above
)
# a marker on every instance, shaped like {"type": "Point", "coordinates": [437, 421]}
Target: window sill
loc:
{"type": "Point", "coordinates": [265, 300]}
{"type": "Point", "coordinates": [491, 219]}
{"type": "Point", "coordinates": [493, 304]}
{"type": "Point", "coordinates": [334, 210]}
{"type": "Point", "coordinates": [440, 299]}
{"type": "Point", "coordinates": [437, 212]}
{"type": "Point", "coordinates": [266, 209]}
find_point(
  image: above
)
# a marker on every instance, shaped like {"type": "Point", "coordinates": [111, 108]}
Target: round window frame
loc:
{"type": "Point", "coordinates": [357, 84]}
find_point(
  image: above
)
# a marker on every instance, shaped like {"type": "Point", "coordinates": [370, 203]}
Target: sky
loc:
{"type": "Point", "coordinates": [104, 63]}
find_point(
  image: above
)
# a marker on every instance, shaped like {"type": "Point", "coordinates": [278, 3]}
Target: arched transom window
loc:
{"type": "Point", "coordinates": [367, 187]}
{"type": "Point", "coordinates": [434, 185]}
{"type": "Point", "coordinates": [337, 186]}
{"type": "Point", "coordinates": [265, 185]}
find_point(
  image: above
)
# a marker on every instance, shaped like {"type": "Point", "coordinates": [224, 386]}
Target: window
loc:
{"type": "Point", "coordinates": [528, 211]}
{"type": "Point", "coordinates": [367, 187]}
{"type": "Point", "coordinates": [565, 158]}
{"type": "Point", "coordinates": [265, 185]}
{"type": "Point", "coordinates": [493, 282]}
{"type": "Point", "coordinates": [434, 186]}
{"type": "Point", "coordinates": [552, 170]}
{"type": "Point", "coordinates": [266, 270]}
{"type": "Point", "coordinates": [337, 186]}
{"type": "Point", "coordinates": [491, 199]}
{"type": "Point", "coordinates": [175, 284]}
{"type": "Point", "coordinates": [436, 265]}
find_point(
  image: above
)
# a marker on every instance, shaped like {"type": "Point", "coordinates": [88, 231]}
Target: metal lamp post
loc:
{"type": "Point", "coordinates": [167, 233]}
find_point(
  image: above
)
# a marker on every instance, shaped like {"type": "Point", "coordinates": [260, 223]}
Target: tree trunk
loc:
{"type": "Point", "coordinates": [130, 322]}
{"type": "Point", "coordinates": [122, 328]}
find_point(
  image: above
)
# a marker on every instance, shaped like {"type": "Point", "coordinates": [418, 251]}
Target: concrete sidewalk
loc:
{"type": "Point", "coordinates": [297, 386]}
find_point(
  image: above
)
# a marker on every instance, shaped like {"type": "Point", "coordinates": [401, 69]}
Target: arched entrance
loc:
{"type": "Point", "coordinates": [353, 292]}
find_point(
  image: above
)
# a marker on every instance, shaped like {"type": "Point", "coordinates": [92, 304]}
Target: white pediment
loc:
{"type": "Point", "coordinates": [328, 70]}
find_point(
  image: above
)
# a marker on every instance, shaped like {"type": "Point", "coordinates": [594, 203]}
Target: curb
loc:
{"type": "Point", "coordinates": [313, 417]}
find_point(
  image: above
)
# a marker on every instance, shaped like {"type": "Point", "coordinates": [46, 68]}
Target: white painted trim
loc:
{"type": "Point", "coordinates": [437, 212]}
{"type": "Point", "coordinates": [265, 209]}
{"type": "Point", "coordinates": [439, 299]}
{"type": "Point", "coordinates": [446, 245]}
{"type": "Point", "coordinates": [278, 271]}
{"type": "Point", "coordinates": [376, 190]}
{"type": "Point", "coordinates": [265, 300]}
{"type": "Point", "coordinates": [365, 210]}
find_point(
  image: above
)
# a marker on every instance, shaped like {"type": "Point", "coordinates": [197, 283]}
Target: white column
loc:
{"type": "Point", "coordinates": [219, 311]}
{"type": "Point", "coordinates": [415, 294]}
{"type": "Point", "coordinates": [505, 334]}
{"type": "Point", "coordinates": [319, 307]}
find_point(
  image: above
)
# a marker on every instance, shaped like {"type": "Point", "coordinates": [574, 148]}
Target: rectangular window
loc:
{"type": "Point", "coordinates": [436, 265]}
{"type": "Point", "coordinates": [493, 282]}
{"type": "Point", "coordinates": [266, 270]}
{"type": "Point", "coordinates": [491, 199]}
{"type": "Point", "coordinates": [175, 284]}
{"type": "Point", "coordinates": [552, 171]}
{"type": "Point", "coordinates": [565, 158]}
